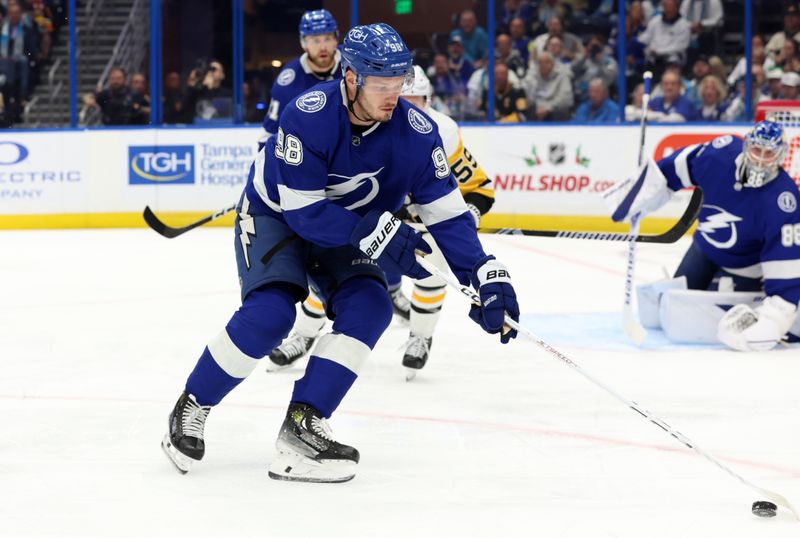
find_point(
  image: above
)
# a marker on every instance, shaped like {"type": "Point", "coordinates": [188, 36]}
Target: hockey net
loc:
{"type": "Point", "coordinates": [787, 113]}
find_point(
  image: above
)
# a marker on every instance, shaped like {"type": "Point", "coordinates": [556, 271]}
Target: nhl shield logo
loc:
{"type": "Point", "coordinates": [557, 153]}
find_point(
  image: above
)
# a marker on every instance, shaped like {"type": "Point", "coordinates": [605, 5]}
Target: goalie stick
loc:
{"type": "Point", "coordinates": [776, 498]}
{"type": "Point", "coordinates": [677, 231]}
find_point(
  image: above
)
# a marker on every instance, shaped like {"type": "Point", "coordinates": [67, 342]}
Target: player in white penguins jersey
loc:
{"type": "Point", "coordinates": [428, 296]}
{"type": "Point", "coordinates": [318, 208]}
{"type": "Point", "coordinates": [747, 238]}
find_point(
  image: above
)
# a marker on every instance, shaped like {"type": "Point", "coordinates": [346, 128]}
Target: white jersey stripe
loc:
{"type": "Point", "coordinates": [447, 207]}
{"type": "Point", "coordinates": [292, 199]}
{"type": "Point", "coordinates": [344, 350]}
{"type": "Point", "coordinates": [752, 271]}
{"type": "Point", "coordinates": [230, 358]}
{"type": "Point", "coordinates": [682, 166]}
{"type": "Point", "coordinates": [781, 270]}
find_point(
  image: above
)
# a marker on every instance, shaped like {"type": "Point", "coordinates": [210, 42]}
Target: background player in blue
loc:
{"type": "Point", "coordinates": [748, 233]}
{"type": "Point", "coordinates": [318, 207]}
{"type": "Point", "coordinates": [319, 37]}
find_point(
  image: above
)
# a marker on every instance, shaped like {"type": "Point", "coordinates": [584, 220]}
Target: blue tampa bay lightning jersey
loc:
{"type": "Point", "coordinates": [320, 176]}
{"type": "Point", "coordinates": [752, 232]}
{"type": "Point", "coordinates": [295, 78]}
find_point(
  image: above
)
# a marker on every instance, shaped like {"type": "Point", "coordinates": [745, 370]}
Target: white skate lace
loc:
{"type": "Point", "coordinates": [320, 427]}
{"type": "Point", "coordinates": [193, 419]}
{"type": "Point", "coordinates": [417, 346]}
{"type": "Point", "coordinates": [295, 346]}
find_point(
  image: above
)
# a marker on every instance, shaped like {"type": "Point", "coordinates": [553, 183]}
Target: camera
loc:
{"type": "Point", "coordinates": [201, 68]}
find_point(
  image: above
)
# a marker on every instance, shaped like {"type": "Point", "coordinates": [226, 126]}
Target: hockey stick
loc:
{"type": "Point", "coordinates": [633, 328]}
{"type": "Point", "coordinates": [677, 231]}
{"type": "Point", "coordinates": [772, 496]}
{"type": "Point", "coordinates": [169, 232]}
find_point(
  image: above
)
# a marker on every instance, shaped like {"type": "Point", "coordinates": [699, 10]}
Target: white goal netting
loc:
{"type": "Point", "coordinates": [787, 113]}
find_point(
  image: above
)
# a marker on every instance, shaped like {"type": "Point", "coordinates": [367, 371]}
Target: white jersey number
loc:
{"type": "Point", "coordinates": [272, 113]}
{"type": "Point", "coordinates": [288, 148]}
{"type": "Point", "coordinates": [440, 163]}
{"type": "Point", "coordinates": [790, 235]}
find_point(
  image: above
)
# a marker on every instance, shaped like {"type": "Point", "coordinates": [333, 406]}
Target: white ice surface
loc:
{"type": "Point", "coordinates": [99, 329]}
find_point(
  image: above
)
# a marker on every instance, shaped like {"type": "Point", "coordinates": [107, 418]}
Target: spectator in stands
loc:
{"type": "Point", "coordinates": [790, 86]}
{"type": "Point", "coordinates": [19, 50]}
{"type": "Point", "coordinates": [774, 88]}
{"type": "Point", "coordinates": [785, 58]}
{"type": "Point", "coordinates": [205, 94]}
{"type": "Point", "coordinates": [700, 69]}
{"type": "Point", "coordinates": [546, 11]}
{"type": "Point", "coordinates": [549, 89]}
{"type": "Point", "coordinates": [477, 87]}
{"type": "Point", "coordinates": [506, 54]}
{"type": "Point", "coordinates": [173, 99]}
{"type": "Point", "coordinates": [672, 106]}
{"type": "Point", "coordinates": [142, 90]}
{"type": "Point", "coordinates": [515, 9]}
{"type": "Point", "coordinates": [474, 38]}
{"type": "Point", "coordinates": [457, 61]}
{"type": "Point", "coordinates": [555, 46]}
{"type": "Point", "coordinates": [705, 20]}
{"type": "Point", "coordinates": [510, 105]}
{"type": "Point", "coordinates": [573, 48]}
{"type": "Point", "coordinates": [635, 24]}
{"type": "Point", "coordinates": [447, 85]}
{"type": "Point", "coordinates": [737, 111]}
{"type": "Point", "coordinates": [518, 38]}
{"type": "Point", "coordinates": [598, 62]}
{"type": "Point", "coordinates": [597, 108]}
{"type": "Point", "coordinates": [760, 57]}
{"type": "Point", "coordinates": [791, 29]}
{"type": "Point", "coordinates": [712, 99]}
{"type": "Point", "coordinates": [118, 104]}
{"type": "Point", "coordinates": [44, 23]}
{"type": "Point", "coordinates": [633, 111]}
{"type": "Point", "coordinates": [666, 38]}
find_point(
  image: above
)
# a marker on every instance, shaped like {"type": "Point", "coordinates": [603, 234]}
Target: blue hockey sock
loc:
{"type": "Point", "coordinates": [264, 319]}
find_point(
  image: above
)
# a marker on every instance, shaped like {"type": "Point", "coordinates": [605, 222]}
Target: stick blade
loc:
{"type": "Point", "coordinates": [633, 329]}
{"type": "Point", "coordinates": [778, 499]}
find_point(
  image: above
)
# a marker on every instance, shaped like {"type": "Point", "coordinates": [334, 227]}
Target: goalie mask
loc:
{"type": "Point", "coordinates": [765, 148]}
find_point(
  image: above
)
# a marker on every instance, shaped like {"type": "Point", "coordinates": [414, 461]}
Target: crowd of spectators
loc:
{"type": "Point", "coordinates": [556, 60]}
{"type": "Point", "coordinates": [28, 29]}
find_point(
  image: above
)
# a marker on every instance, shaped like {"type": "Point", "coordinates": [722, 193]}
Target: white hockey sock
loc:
{"type": "Point", "coordinates": [426, 307]}
{"type": "Point", "coordinates": [311, 318]}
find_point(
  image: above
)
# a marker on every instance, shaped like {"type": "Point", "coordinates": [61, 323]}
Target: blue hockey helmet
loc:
{"type": "Point", "coordinates": [765, 148]}
{"type": "Point", "coordinates": [317, 22]}
{"type": "Point", "coordinates": [377, 50]}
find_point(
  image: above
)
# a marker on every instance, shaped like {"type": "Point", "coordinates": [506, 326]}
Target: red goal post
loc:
{"type": "Point", "coordinates": [787, 113]}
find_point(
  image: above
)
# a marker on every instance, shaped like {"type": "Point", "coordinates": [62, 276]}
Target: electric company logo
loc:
{"type": "Point", "coordinates": [12, 153]}
{"type": "Point", "coordinates": [173, 165]}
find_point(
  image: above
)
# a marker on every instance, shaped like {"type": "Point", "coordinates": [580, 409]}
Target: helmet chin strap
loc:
{"type": "Point", "coordinates": [351, 102]}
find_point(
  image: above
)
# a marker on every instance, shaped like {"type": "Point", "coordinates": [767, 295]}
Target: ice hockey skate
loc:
{"type": "Point", "coordinates": [401, 306]}
{"type": "Point", "coordinates": [307, 451]}
{"type": "Point", "coordinates": [291, 350]}
{"type": "Point", "coordinates": [416, 355]}
{"type": "Point", "coordinates": [183, 444]}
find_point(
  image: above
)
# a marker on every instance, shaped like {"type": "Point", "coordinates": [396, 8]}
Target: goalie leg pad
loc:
{"type": "Point", "coordinates": [693, 316]}
{"type": "Point", "coordinates": [649, 297]}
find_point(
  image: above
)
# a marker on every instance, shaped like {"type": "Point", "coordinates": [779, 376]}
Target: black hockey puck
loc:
{"type": "Point", "coordinates": [764, 509]}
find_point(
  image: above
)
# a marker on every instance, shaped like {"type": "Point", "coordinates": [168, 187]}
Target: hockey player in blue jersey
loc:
{"type": "Point", "coordinates": [319, 37]}
{"type": "Point", "coordinates": [745, 252]}
{"type": "Point", "coordinates": [318, 207]}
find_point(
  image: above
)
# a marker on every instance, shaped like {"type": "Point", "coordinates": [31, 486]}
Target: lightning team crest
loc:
{"type": "Point", "coordinates": [718, 227]}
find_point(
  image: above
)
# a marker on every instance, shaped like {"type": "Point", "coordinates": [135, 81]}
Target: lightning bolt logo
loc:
{"type": "Point", "coordinates": [248, 226]}
{"type": "Point", "coordinates": [340, 190]}
{"type": "Point", "coordinates": [719, 221]}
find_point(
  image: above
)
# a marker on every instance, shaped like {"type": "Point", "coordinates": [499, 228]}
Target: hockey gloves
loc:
{"type": "Point", "coordinates": [745, 329]}
{"type": "Point", "coordinates": [382, 237]}
{"type": "Point", "coordinates": [493, 283]}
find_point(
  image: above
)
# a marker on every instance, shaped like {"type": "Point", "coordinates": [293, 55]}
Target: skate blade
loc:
{"type": "Point", "coordinates": [297, 468]}
{"type": "Point", "coordinates": [411, 373]}
{"type": "Point", "coordinates": [181, 462]}
{"type": "Point", "coordinates": [272, 367]}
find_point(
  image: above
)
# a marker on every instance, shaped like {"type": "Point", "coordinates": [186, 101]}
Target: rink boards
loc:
{"type": "Point", "coordinates": [544, 176]}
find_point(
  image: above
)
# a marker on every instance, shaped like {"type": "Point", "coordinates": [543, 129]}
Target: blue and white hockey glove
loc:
{"type": "Point", "coordinates": [382, 237]}
{"type": "Point", "coordinates": [493, 282]}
